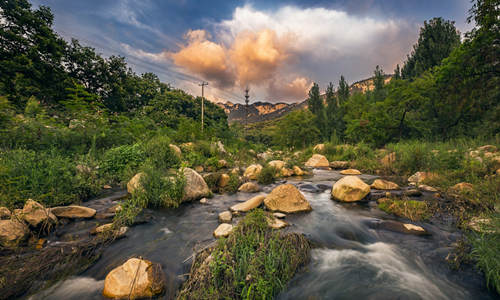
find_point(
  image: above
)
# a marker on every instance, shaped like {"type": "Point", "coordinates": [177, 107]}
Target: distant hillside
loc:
{"type": "Point", "coordinates": [265, 111]}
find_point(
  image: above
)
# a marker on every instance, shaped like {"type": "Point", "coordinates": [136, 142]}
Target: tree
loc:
{"type": "Point", "coordinates": [297, 129]}
{"type": "Point", "coordinates": [315, 105]}
{"type": "Point", "coordinates": [378, 83]}
{"type": "Point", "coordinates": [397, 73]}
{"type": "Point", "coordinates": [436, 41]}
{"type": "Point", "coordinates": [343, 91]}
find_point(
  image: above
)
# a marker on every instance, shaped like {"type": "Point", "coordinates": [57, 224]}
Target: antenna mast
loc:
{"type": "Point", "coordinates": [246, 106]}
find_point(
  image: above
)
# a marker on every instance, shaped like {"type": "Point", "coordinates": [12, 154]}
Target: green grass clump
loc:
{"type": "Point", "coordinates": [485, 249]}
{"type": "Point", "coordinates": [254, 262]}
{"type": "Point", "coordinates": [267, 175]}
{"type": "Point", "coordinates": [233, 184]}
{"type": "Point", "coordinates": [119, 163]}
{"type": "Point", "coordinates": [411, 209]}
{"type": "Point", "coordinates": [47, 177]}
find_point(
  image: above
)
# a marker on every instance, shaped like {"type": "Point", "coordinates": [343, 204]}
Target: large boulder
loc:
{"type": "Point", "coordinates": [350, 172]}
{"type": "Point", "coordinates": [380, 184]}
{"type": "Point", "coordinates": [339, 164]}
{"type": "Point", "coordinates": [249, 187]}
{"type": "Point", "coordinates": [136, 278]}
{"type": "Point", "coordinates": [12, 233]}
{"type": "Point", "coordinates": [73, 212]}
{"type": "Point", "coordinates": [36, 214]}
{"type": "Point", "coordinates": [135, 182]}
{"type": "Point", "coordinates": [286, 198]}
{"type": "Point", "coordinates": [252, 171]}
{"type": "Point", "coordinates": [277, 164]}
{"type": "Point", "coordinates": [249, 204]}
{"type": "Point", "coordinates": [196, 187]}
{"type": "Point", "coordinates": [317, 161]}
{"type": "Point", "coordinates": [350, 189]}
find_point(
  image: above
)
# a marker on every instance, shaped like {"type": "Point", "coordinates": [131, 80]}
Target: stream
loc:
{"type": "Point", "coordinates": [353, 259]}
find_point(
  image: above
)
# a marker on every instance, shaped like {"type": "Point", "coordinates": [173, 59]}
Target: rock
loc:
{"type": "Point", "coordinates": [286, 198]}
{"type": "Point", "coordinates": [482, 225]}
{"type": "Point", "coordinates": [388, 160]}
{"type": "Point", "coordinates": [199, 169]}
{"type": "Point", "coordinates": [422, 176]}
{"type": "Point", "coordinates": [106, 187]}
{"type": "Point", "coordinates": [350, 189]}
{"type": "Point", "coordinates": [223, 230]}
{"type": "Point", "coordinates": [252, 171]}
{"type": "Point", "coordinates": [249, 204]}
{"type": "Point", "coordinates": [402, 228]}
{"type": "Point", "coordinates": [195, 187]}
{"type": "Point", "coordinates": [225, 217]}
{"type": "Point", "coordinates": [109, 228]}
{"type": "Point", "coordinates": [12, 233]}
{"type": "Point", "coordinates": [73, 212]}
{"type": "Point", "coordinates": [204, 201]}
{"type": "Point", "coordinates": [279, 215]}
{"type": "Point", "coordinates": [380, 184]}
{"type": "Point", "coordinates": [496, 162]}
{"type": "Point", "coordinates": [136, 278]}
{"type": "Point", "coordinates": [83, 169]}
{"type": "Point", "coordinates": [498, 171]}
{"type": "Point", "coordinates": [135, 182]}
{"type": "Point", "coordinates": [223, 180]}
{"type": "Point", "coordinates": [276, 223]}
{"type": "Point", "coordinates": [461, 188]}
{"type": "Point", "coordinates": [412, 193]}
{"type": "Point", "coordinates": [298, 171]}
{"type": "Point", "coordinates": [235, 171]}
{"type": "Point", "coordinates": [222, 163]}
{"type": "Point", "coordinates": [220, 147]}
{"type": "Point", "coordinates": [285, 172]}
{"type": "Point", "coordinates": [177, 151]}
{"type": "Point", "coordinates": [427, 188]}
{"type": "Point", "coordinates": [339, 164]}
{"type": "Point", "coordinates": [249, 187]}
{"type": "Point", "coordinates": [4, 213]}
{"type": "Point", "coordinates": [488, 148]}
{"type": "Point", "coordinates": [319, 148]}
{"type": "Point", "coordinates": [187, 146]}
{"type": "Point", "coordinates": [317, 161]}
{"type": "Point", "coordinates": [350, 172]}
{"type": "Point", "coordinates": [474, 153]}
{"type": "Point", "coordinates": [37, 215]}
{"type": "Point", "coordinates": [277, 164]}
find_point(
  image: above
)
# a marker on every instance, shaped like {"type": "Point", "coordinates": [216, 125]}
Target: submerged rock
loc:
{"type": "Point", "coordinates": [73, 212]}
{"type": "Point", "coordinates": [380, 184]}
{"type": "Point", "coordinates": [249, 204]}
{"type": "Point", "coordinates": [350, 172]}
{"type": "Point", "coordinates": [12, 233]}
{"type": "Point", "coordinates": [399, 227]}
{"type": "Point", "coordinates": [317, 161]}
{"type": "Point", "coordinates": [223, 230]}
{"type": "Point", "coordinates": [286, 198]}
{"type": "Point", "coordinates": [350, 189]}
{"type": "Point", "coordinates": [136, 278]}
{"type": "Point", "coordinates": [252, 171]}
{"type": "Point", "coordinates": [249, 187]}
{"type": "Point", "coordinates": [195, 187]}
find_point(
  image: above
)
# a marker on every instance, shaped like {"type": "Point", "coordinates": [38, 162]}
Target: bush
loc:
{"type": "Point", "coordinates": [411, 209]}
{"type": "Point", "coordinates": [121, 162]}
{"type": "Point", "coordinates": [47, 177]}
{"type": "Point", "coordinates": [159, 153]}
{"type": "Point", "coordinates": [267, 175]}
{"type": "Point", "coordinates": [254, 262]}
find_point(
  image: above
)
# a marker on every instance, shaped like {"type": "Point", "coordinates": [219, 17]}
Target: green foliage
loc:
{"type": "Point", "coordinates": [233, 184]}
{"type": "Point", "coordinates": [120, 163]}
{"type": "Point", "coordinates": [437, 40]}
{"type": "Point", "coordinates": [47, 177]}
{"type": "Point", "coordinates": [254, 262]}
{"type": "Point", "coordinates": [159, 153]}
{"type": "Point", "coordinates": [267, 175]}
{"type": "Point", "coordinates": [411, 209]}
{"type": "Point", "coordinates": [297, 129]}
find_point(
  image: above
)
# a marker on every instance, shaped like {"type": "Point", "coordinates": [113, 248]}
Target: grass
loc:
{"type": "Point", "coordinates": [254, 262]}
{"type": "Point", "coordinates": [411, 209]}
{"type": "Point", "coordinates": [267, 175]}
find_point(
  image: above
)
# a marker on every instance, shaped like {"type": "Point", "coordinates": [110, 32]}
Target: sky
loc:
{"type": "Point", "coordinates": [276, 48]}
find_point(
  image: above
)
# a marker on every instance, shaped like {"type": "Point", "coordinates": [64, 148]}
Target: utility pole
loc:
{"type": "Point", "coordinates": [203, 84]}
{"type": "Point", "coordinates": [246, 107]}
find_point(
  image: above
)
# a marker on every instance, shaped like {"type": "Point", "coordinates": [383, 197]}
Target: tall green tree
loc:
{"type": "Point", "coordinates": [436, 41]}
{"type": "Point", "coordinates": [397, 73]}
{"type": "Point", "coordinates": [343, 91]}
{"type": "Point", "coordinates": [378, 93]}
{"type": "Point", "coordinates": [316, 106]}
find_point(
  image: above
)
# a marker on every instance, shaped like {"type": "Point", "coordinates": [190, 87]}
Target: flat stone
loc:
{"type": "Point", "coordinates": [276, 223]}
{"type": "Point", "coordinates": [249, 204]}
{"type": "Point", "coordinates": [350, 172]}
{"type": "Point", "coordinates": [73, 212]}
{"type": "Point", "coordinates": [427, 188]}
{"type": "Point", "coordinates": [279, 215]}
{"type": "Point", "coordinates": [223, 230]}
{"type": "Point", "coordinates": [249, 187]}
{"type": "Point", "coordinates": [380, 184]}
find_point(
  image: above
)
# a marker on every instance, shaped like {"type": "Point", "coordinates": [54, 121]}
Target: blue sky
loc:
{"type": "Point", "coordinates": [278, 48]}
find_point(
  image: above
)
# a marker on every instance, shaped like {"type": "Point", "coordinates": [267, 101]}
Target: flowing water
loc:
{"type": "Point", "coordinates": [353, 259]}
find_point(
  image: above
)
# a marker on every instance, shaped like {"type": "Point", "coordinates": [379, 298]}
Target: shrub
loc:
{"type": "Point", "coordinates": [234, 183]}
{"type": "Point", "coordinates": [254, 262]}
{"type": "Point", "coordinates": [159, 153]}
{"type": "Point", "coordinates": [267, 175]}
{"type": "Point", "coordinates": [120, 162]}
{"type": "Point", "coordinates": [411, 209]}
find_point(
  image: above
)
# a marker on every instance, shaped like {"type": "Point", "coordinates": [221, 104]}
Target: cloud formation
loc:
{"type": "Point", "coordinates": [263, 49]}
